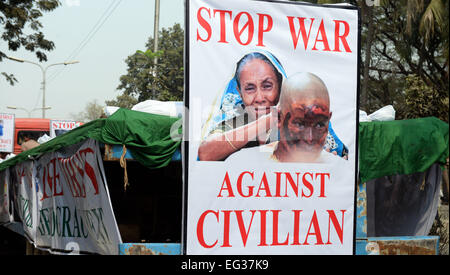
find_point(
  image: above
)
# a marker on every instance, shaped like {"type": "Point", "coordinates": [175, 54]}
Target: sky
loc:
{"type": "Point", "coordinates": [100, 34]}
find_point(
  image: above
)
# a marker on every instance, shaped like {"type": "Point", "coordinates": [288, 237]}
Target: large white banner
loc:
{"type": "Point", "coordinates": [272, 92]}
{"type": "Point", "coordinates": [5, 209]}
{"type": "Point", "coordinates": [6, 132]}
{"type": "Point", "coordinates": [63, 202]}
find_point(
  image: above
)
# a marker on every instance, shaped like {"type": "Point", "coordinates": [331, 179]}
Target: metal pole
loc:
{"type": "Point", "coordinates": [44, 81]}
{"type": "Point", "coordinates": [155, 44]}
{"type": "Point", "coordinates": [23, 109]}
{"type": "Point", "coordinates": [156, 30]}
{"type": "Point", "coordinates": [43, 76]}
{"type": "Point", "coordinates": [43, 92]}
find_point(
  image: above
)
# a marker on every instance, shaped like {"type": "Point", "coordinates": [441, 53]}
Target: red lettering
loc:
{"type": "Point", "coordinates": [265, 187]}
{"type": "Point", "coordinates": [275, 230]}
{"type": "Point", "coordinates": [339, 228]}
{"type": "Point", "coordinates": [52, 180]}
{"type": "Point", "coordinates": [222, 24]}
{"type": "Point", "coordinates": [295, 35]}
{"type": "Point", "coordinates": [243, 26]}
{"type": "Point", "coordinates": [322, 183]}
{"type": "Point", "coordinates": [261, 29]}
{"type": "Point", "coordinates": [78, 189]}
{"type": "Point", "coordinates": [342, 37]}
{"type": "Point", "coordinates": [204, 24]}
{"type": "Point", "coordinates": [227, 183]}
{"type": "Point", "coordinates": [239, 185]}
{"type": "Point", "coordinates": [244, 233]}
{"type": "Point", "coordinates": [77, 162]}
{"type": "Point", "coordinates": [200, 223]}
{"type": "Point", "coordinates": [296, 227]}
{"type": "Point", "coordinates": [44, 177]}
{"type": "Point", "coordinates": [324, 39]}
{"type": "Point", "coordinates": [69, 176]}
{"type": "Point", "coordinates": [278, 185]}
{"type": "Point", "coordinates": [292, 183]}
{"type": "Point", "coordinates": [245, 222]}
{"type": "Point", "coordinates": [308, 185]}
{"type": "Point", "coordinates": [310, 182]}
{"type": "Point", "coordinates": [315, 224]}
{"type": "Point", "coordinates": [262, 241]}
{"type": "Point", "coordinates": [226, 228]}
{"type": "Point", "coordinates": [249, 25]}
{"type": "Point", "coordinates": [89, 169]}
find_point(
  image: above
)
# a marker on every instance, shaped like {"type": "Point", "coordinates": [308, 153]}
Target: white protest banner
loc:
{"type": "Point", "coordinates": [5, 209]}
{"type": "Point", "coordinates": [271, 148]}
{"type": "Point", "coordinates": [6, 132]}
{"type": "Point", "coordinates": [25, 197]}
{"type": "Point", "coordinates": [64, 202]}
{"type": "Point", "coordinates": [59, 127]}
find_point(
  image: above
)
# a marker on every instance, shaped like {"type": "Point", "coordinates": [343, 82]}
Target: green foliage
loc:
{"type": "Point", "coordinates": [404, 59]}
{"type": "Point", "coordinates": [122, 101]}
{"type": "Point", "coordinates": [429, 14]}
{"type": "Point", "coordinates": [148, 55]}
{"type": "Point", "coordinates": [404, 50]}
{"type": "Point", "coordinates": [10, 78]}
{"type": "Point", "coordinates": [404, 56]}
{"type": "Point", "coordinates": [92, 111]}
{"type": "Point", "coordinates": [15, 15]}
{"type": "Point", "coordinates": [165, 81]}
{"type": "Point", "coordinates": [423, 101]}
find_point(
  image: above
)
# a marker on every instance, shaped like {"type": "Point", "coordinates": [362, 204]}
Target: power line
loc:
{"type": "Point", "coordinates": [100, 22]}
{"type": "Point", "coordinates": [40, 94]}
{"type": "Point", "coordinates": [91, 33]}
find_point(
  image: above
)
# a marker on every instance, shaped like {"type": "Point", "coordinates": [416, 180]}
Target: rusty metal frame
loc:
{"type": "Point", "coordinates": [398, 245]}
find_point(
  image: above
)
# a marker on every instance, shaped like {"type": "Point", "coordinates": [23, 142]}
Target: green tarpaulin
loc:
{"type": "Point", "coordinates": [146, 135]}
{"type": "Point", "coordinates": [385, 148]}
{"type": "Point", "coordinates": [401, 146]}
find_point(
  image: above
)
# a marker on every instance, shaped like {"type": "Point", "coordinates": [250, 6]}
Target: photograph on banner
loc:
{"type": "Point", "coordinates": [6, 132]}
{"type": "Point", "coordinates": [273, 93]}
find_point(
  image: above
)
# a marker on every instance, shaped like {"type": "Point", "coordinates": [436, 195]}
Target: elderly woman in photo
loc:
{"type": "Point", "coordinates": [248, 113]}
{"type": "Point", "coordinates": [244, 118]}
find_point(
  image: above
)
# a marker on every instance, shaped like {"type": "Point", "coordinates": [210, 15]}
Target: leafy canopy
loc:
{"type": "Point", "coordinates": [15, 18]}
{"type": "Point", "coordinates": [163, 81]}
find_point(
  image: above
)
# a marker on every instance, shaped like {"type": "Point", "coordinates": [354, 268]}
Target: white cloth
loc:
{"type": "Point", "coordinates": [264, 153]}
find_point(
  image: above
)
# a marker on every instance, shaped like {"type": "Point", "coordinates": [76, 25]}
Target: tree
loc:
{"type": "Point", "coordinates": [404, 47]}
{"type": "Point", "coordinates": [368, 36]}
{"type": "Point", "coordinates": [422, 100]}
{"type": "Point", "coordinates": [165, 81]}
{"type": "Point", "coordinates": [404, 56]}
{"type": "Point", "coordinates": [122, 101]}
{"type": "Point", "coordinates": [15, 15]}
{"type": "Point", "coordinates": [431, 15]}
{"type": "Point", "coordinates": [92, 111]}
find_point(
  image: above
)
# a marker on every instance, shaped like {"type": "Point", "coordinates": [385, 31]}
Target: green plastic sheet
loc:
{"type": "Point", "coordinates": [401, 146]}
{"type": "Point", "coordinates": [385, 148]}
{"type": "Point", "coordinates": [147, 136]}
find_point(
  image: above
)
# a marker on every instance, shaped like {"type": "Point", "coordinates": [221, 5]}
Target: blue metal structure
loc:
{"type": "Point", "coordinates": [399, 245]}
{"type": "Point", "coordinates": [150, 249]}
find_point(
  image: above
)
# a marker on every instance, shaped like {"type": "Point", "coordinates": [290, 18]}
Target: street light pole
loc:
{"type": "Point", "coordinates": [43, 70]}
{"type": "Point", "coordinates": [155, 45]}
{"type": "Point", "coordinates": [29, 112]}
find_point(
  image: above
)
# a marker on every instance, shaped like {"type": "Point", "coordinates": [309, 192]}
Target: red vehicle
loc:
{"type": "Point", "coordinates": [35, 128]}
{"type": "Point", "coordinates": [32, 127]}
